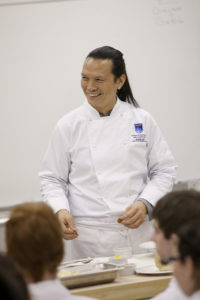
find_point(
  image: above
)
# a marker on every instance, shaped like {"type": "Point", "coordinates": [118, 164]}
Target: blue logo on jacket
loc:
{"type": "Point", "coordinates": [138, 127]}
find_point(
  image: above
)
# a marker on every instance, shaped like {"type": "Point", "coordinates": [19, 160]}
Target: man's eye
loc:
{"type": "Point", "coordinates": [84, 78]}
{"type": "Point", "coordinates": [99, 80]}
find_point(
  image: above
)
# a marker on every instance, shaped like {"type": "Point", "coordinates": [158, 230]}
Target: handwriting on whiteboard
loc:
{"type": "Point", "coordinates": [167, 12]}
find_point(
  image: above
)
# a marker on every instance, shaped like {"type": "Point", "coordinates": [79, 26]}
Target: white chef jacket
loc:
{"type": "Point", "coordinates": [174, 292]}
{"type": "Point", "coordinates": [97, 166]}
{"type": "Point", "coordinates": [195, 296]}
{"type": "Point", "coordinates": [51, 290]}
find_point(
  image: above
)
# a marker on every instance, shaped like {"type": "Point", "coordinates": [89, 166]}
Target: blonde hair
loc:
{"type": "Point", "coordinates": [34, 239]}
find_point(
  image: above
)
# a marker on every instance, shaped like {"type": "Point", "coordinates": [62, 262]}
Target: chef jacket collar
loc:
{"type": "Point", "coordinates": [95, 113]}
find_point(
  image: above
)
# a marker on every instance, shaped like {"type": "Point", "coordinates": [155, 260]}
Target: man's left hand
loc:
{"type": "Point", "coordinates": [134, 215]}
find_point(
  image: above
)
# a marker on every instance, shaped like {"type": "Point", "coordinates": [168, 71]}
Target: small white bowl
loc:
{"type": "Point", "coordinates": [150, 246]}
{"type": "Point", "coordinates": [128, 269]}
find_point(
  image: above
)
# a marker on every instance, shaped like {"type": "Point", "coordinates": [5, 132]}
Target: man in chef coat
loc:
{"type": "Point", "coordinates": [177, 239]}
{"type": "Point", "coordinates": [107, 163]}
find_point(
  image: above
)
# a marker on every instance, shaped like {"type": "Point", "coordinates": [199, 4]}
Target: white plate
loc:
{"type": "Point", "coordinates": [151, 270]}
{"type": "Point", "coordinates": [150, 246]}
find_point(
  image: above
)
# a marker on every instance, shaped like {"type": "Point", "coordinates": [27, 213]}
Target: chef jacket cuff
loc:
{"type": "Point", "coordinates": [58, 204]}
{"type": "Point", "coordinates": [149, 207]}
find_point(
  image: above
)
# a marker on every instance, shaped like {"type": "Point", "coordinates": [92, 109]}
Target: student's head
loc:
{"type": "Point", "coordinates": [34, 240]}
{"type": "Point", "coordinates": [187, 259]}
{"type": "Point", "coordinates": [104, 77]}
{"type": "Point", "coordinates": [170, 213]}
{"type": "Point", "coordinates": [12, 282]}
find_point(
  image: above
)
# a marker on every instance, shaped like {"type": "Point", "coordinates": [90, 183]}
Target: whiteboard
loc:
{"type": "Point", "coordinates": [42, 49]}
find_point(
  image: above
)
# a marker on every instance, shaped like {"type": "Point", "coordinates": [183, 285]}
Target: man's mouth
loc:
{"type": "Point", "coordinates": [93, 95]}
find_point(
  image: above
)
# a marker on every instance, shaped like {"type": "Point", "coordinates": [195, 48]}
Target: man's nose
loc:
{"type": "Point", "coordinates": [91, 85]}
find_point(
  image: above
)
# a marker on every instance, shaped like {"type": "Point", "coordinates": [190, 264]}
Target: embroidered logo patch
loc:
{"type": "Point", "coordinates": [138, 127]}
{"type": "Point", "coordinates": [139, 134]}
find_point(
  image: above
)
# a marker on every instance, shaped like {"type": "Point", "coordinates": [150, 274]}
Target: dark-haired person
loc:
{"type": "Point", "coordinates": [107, 161]}
{"type": "Point", "coordinates": [187, 259]}
{"type": "Point", "coordinates": [12, 283]}
{"type": "Point", "coordinates": [171, 213]}
{"type": "Point", "coordinates": [34, 241]}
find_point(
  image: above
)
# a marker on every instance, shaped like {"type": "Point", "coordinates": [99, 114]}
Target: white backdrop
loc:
{"type": "Point", "coordinates": [42, 49]}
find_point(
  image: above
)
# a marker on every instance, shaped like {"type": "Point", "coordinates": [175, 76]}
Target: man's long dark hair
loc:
{"type": "Point", "coordinates": [125, 93]}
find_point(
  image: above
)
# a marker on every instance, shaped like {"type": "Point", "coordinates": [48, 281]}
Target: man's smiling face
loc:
{"type": "Point", "coordinates": [99, 84]}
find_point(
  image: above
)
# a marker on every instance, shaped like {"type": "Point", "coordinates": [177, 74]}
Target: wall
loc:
{"type": "Point", "coordinates": [42, 49]}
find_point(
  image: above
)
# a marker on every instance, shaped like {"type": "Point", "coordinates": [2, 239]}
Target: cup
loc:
{"type": "Point", "coordinates": [124, 252]}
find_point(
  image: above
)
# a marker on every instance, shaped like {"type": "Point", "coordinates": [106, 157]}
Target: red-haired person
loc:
{"type": "Point", "coordinates": [34, 240]}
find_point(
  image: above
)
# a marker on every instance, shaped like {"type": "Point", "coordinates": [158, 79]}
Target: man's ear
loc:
{"type": "Point", "coordinates": [121, 81]}
{"type": "Point", "coordinates": [175, 239]}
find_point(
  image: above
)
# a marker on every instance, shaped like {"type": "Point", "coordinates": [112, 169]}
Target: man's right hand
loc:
{"type": "Point", "coordinates": [67, 224]}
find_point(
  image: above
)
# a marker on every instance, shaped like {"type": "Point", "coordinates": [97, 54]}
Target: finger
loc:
{"type": "Point", "coordinates": [124, 218]}
{"type": "Point", "coordinates": [68, 236]}
{"type": "Point", "coordinates": [68, 231]}
{"type": "Point", "coordinates": [71, 224]}
{"type": "Point", "coordinates": [129, 208]}
{"type": "Point", "coordinates": [63, 227]}
{"type": "Point", "coordinates": [131, 220]}
{"type": "Point", "coordinates": [130, 216]}
{"type": "Point", "coordinates": [136, 224]}
{"type": "Point", "coordinates": [130, 211]}
{"type": "Point", "coordinates": [136, 218]}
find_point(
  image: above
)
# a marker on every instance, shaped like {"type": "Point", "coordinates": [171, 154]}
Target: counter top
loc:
{"type": "Point", "coordinates": [126, 288]}
{"type": "Point", "coordinates": [137, 286]}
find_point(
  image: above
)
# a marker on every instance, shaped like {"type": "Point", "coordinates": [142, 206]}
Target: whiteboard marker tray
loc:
{"type": "Point", "coordinates": [89, 274]}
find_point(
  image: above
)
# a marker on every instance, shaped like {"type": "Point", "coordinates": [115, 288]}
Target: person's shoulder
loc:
{"type": "Point", "coordinates": [135, 110]}
{"type": "Point", "coordinates": [144, 115]}
{"type": "Point", "coordinates": [195, 296]}
{"type": "Point", "coordinates": [71, 114]}
{"type": "Point", "coordinates": [142, 112]}
{"type": "Point", "coordinates": [172, 292]}
{"type": "Point", "coordinates": [71, 117]}
{"type": "Point", "coordinates": [48, 289]}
